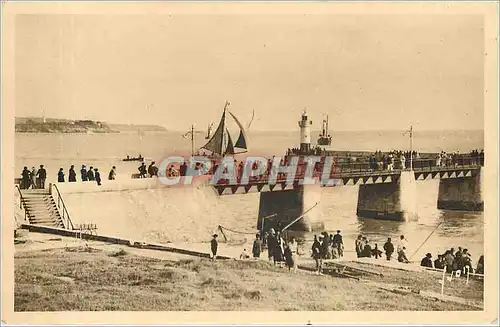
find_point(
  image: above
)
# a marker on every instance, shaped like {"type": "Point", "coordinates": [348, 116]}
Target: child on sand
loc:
{"type": "Point", "coordinates": [213, 247]}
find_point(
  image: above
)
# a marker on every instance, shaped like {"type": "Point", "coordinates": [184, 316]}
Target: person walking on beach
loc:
{"type": "Point", "coordinates": [289, 257]}
{"type": "Point", "coordinates": [389, 249]}
{"type": "Point", "coordinates": [25, 182]}
{"type": "Point", "coordinates": [97, 177]}
{"type": "Point", "coordinates": [72, 174]}
{"type": "Point", "coordinates": [213, 246]}
{"type": "Point", "coordinates": [358, 244]}
{"type": "Point", "coordinates": [376, 252]}
{"type": "Point", "coordinates": [278, 250]}
{"type": "Point", "coordinates": [271, 244]}
{"type": "Point", "coordinates": [42, 175]}
{"type": "Point", "coordinates": [33, 177]}
{"type": "Point", "coordinates": [339, 243]}
{"type": "Point", "coordinates": [60, 176]}
{"type": "Point", "coordinates": [316, 254]}
{"type": "Point", "coordinates": [112, 174]}
{"type": "Point", "coordinates": [256, 247]}
{"type": "Point", "coordinates": [83, 172]}
{"type": "Point", "coordinates": [294, 252]}
{"type": "Point", "coordinates": [90, 174]}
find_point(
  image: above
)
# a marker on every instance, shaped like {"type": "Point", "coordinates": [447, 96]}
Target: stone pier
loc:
{"type": "Point", "coordinates": [289, 205]}
{"type": "Point", "coordinates": [389, 201]}
{"type": "Point", "coordinates": [462, 193]}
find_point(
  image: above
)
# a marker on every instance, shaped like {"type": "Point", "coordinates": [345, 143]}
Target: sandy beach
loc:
{"type": "Point", "coordinates": [54, 273]}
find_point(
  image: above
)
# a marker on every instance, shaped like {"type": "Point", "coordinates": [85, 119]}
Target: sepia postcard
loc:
{"type": "Point", "coordinates": [249, 162]}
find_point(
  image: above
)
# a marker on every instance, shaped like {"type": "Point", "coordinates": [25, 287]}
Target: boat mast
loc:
{"type": "Point", "coordinates": [192, 139]}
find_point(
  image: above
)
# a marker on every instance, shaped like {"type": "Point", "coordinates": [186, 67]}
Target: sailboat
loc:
{"type": "Point", "coordinates": [221, 143]}
{"type": "Point", "coordinates": [324, 137]}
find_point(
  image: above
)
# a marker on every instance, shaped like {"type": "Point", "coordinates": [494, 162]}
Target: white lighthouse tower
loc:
{"type": "Point", "coordinates": [305, 133]}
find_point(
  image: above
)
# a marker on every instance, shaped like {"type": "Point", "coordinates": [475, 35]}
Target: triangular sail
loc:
{"type": "Point", "coordinates": [215, 143]}
{"type": "Point", "coordinates": [241, 142]}
{"type": "Point", "coordinates": [230, 147]}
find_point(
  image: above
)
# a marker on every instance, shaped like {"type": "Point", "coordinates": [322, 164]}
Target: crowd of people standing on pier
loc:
{"type": "Point", "coordinates": [35, 179]}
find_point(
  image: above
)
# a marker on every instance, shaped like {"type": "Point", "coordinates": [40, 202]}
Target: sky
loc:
{"type": "Point", "coordinates": [377, 72]}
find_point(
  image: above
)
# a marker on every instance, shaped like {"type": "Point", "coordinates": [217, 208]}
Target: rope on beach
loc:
{"type": "Point", "coordinates": [244, 233]}
{"type": "Point", "coordinates": [235, 231]}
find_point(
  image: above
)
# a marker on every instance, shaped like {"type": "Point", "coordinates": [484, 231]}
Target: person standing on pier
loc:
{"type": "Point", "coordinates": [33, 177]}
{"type": "Point", "coordinates": [213, 246]}
{"type": "Point", "coordinates": [97, 177]}
{"type": "Point", "coordinates": [72, 174]}
{"type": "Point", "coordinates": [389, 249]}
{"type": "Point", "coordinates": [83, 172]}
{"type": "Point", "coordinates": [90, 174]}
{"type": "Point", "coordinates": [403, 162]}
{"type": "Point", "coordinates": [257, 247]}
{"type": "Point", "coordinates": [60, 176]}
{"type": "Point", "coordinates": [42, 175]}
{"type": "Point", "coordinates": [152, 169]}
{"type": "Point", "coordinates": [112, 174]}
{"type": "Point", "coordinates": [25, 182]}
{"type": "Point", "coordinates": [142, 170]}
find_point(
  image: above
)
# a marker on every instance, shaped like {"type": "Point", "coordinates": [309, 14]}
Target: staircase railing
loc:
{"type": "Point", "coordinates": [68, 224]}
{"type": "Point", "coordinates": [26, 215]}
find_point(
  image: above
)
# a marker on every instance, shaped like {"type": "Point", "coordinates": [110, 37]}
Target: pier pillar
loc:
{"type": "Point", "coordinates": [463, 193]}
{"type": "Point", "coordinates": [289, 205]}
{"type": "Point", "coordinates": [389, 201]}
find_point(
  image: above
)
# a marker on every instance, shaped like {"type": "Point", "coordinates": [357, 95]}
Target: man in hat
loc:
{"type": "Point", "coordinates": [42, 175]}
{"type": "Point", "coordinates": [339, 243]}
{"type": "Point", "coordinates": [427, 261]}
{"type": "Point", "coordinates": [72, 174]}
{"type": "Point", "coordinates": [214, 246]}
{"type": "Point", "coordinates": [83, 172]}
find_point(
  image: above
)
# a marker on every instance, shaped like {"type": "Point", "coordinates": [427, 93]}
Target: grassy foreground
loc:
{"type": "Point", "coordinates": [61, 280]}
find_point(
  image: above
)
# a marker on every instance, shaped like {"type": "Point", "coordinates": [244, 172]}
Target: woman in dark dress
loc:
{"type": "Point", "coordinates": [60, 176]}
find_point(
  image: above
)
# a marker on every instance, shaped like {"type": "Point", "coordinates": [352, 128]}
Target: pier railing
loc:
{"type": "Point", "coordinates": [345, 169]}
{"type": "Point", "coordinates": [21, 206]}
{"type": "Point", "coordinates": [68, 224]}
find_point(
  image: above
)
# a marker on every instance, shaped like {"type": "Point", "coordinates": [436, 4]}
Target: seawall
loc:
{"type": "Point", "coordinates": [145, 210]}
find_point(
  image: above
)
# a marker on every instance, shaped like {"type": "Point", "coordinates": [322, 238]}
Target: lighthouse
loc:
{"type": "Point", "coordinates": [305, 134]}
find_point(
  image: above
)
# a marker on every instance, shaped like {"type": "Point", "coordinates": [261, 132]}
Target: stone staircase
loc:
{"type": "Point", "coordinates": [41, 208]}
